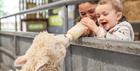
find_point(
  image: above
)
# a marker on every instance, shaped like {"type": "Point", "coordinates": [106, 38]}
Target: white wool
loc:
{"type": "Point", "coordinates": [45, 53]}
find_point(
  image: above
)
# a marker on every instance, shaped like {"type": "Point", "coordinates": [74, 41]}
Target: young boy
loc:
{"type": "Point", "coordinates": [111, 26]}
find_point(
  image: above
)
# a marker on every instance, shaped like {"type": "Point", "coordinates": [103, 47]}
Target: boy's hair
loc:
{"type": "Point", "coordinates": [116, 4]}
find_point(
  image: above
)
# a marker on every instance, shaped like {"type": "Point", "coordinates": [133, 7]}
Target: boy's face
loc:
{"type": "Point", "coordinates": [87, 10]}
{"type": "Point", "coordinates": [107, 16]}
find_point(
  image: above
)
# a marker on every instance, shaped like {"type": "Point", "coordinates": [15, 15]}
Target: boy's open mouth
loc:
{"type": "Point", "coordinates": [104, 23]}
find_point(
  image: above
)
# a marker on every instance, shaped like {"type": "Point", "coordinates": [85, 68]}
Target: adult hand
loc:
{"type": "Point", "coordinates": [88, 22]}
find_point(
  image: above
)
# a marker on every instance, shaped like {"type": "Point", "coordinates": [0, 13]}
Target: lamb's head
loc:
{"type": "Point", "coordinates": [55, 45]}
{"type": "Point", "coordinates": [45, 48]}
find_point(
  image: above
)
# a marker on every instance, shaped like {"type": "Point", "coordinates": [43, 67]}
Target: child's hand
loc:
{"type": "Point", "coordinates": [90, 24]}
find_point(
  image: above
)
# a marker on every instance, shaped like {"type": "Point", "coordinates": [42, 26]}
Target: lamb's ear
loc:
{"type": "Point", "coordinates": [41, 62]}
{"type": "Point", "coordinates": [40, 68]}
{"type": "Point", "coordinates": [20, 61]}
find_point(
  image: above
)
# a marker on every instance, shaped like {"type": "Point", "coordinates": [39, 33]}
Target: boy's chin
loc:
{"type": "Point", "coordinates": [106, 28]}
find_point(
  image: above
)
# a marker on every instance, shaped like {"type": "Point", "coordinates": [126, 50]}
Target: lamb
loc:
{"type": "Point", "coordinates": [45, 53]}
{"type": "Point", "coordinates": [48, 50]}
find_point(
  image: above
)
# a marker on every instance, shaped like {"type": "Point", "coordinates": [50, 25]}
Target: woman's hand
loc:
{"type": "Point", "coordinates": [90, 24]}
{"type": "Point", "coordinates": [86, 32]}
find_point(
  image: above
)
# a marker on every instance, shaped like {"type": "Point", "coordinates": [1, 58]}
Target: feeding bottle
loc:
{"type": "Point", "coordinates": [76, 31]}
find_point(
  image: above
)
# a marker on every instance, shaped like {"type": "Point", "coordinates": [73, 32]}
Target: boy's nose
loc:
{"type": "Point", "coordinates": [101, 18]}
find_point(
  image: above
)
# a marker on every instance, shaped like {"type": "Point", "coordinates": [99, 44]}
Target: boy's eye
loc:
{"type": "Point", "coordinates": [105, 14]}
